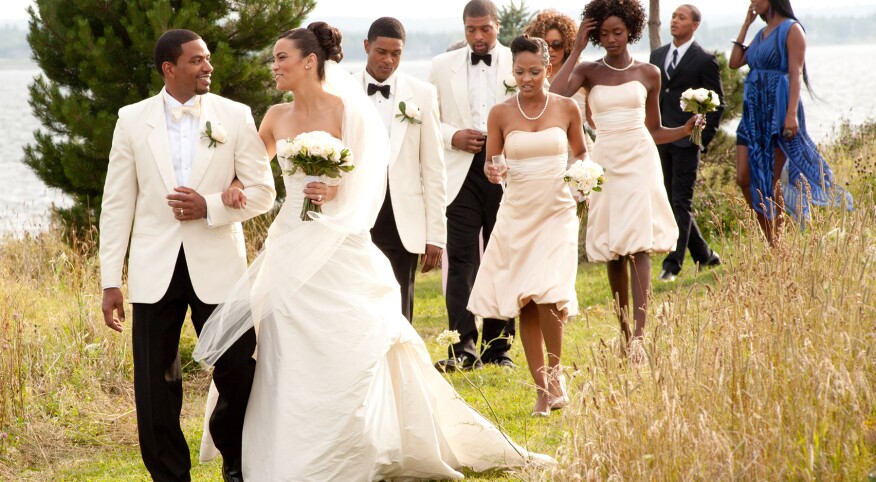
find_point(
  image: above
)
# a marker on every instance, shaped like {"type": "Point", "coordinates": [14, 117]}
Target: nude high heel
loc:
{"type": "Point", "coordinates": [560, 401]}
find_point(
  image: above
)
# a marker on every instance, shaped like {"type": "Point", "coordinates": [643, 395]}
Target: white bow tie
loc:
{"type": "Point", "coordinates": [178, 111]}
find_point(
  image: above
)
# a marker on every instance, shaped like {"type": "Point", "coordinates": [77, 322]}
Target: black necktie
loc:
{"type": "Point", "coordinates": [383, 89]}
{"type": "Point", "coordinates": [671, 69]}
{"type": "Point", "coordinates": [486, 58]}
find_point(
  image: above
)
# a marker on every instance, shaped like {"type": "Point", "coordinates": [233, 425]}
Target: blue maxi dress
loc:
{"type": "Point", "coordinates": [764, 105]}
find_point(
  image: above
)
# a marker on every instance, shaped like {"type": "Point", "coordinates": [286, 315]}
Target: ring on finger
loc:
{"type": "Point", "coordinates": [319, 197]}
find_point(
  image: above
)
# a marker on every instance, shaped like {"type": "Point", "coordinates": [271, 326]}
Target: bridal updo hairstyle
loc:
{"type": "Point", "coordinates": [631, 12]}
{"type": "Point", "coordinates": [320, 39]}
{"type": "Point", "coordinates": [535, 45]}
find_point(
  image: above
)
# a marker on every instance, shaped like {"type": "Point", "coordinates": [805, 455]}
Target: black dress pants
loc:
{"type": "Point", "coordinates": [680, 166]}
{"type": "Point", "coordinates": [473, 208]}
{"type": "Point", "coordinates": [158, 393]}
{"type": "Point", "coordinates": [385, 235]}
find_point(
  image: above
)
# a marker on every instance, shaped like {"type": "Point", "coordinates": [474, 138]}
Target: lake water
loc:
{"type": "Point", "coordinates": [839, 75]}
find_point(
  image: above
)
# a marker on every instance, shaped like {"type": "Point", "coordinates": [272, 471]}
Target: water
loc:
{"type": "Point", "coordinates": [835, 73]}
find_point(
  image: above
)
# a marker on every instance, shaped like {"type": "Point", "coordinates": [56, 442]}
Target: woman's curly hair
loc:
{"type": "Point", "coordinates": [551, 19]}
{"type": "Point", "coordinates": [631, 12]}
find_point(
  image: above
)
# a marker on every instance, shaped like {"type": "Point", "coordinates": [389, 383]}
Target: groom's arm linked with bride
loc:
{"type": "Point", "coordinates": [172, 156]}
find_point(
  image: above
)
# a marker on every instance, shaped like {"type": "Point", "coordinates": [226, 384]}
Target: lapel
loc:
{"type": "Point", "coordinates": [158, 141]}
{"type": "Point", "coordinates": [459, 85]}
{"type": "Point", "coordinates": [203, 153]}
{"type": "Point", "coordinates": [661, 59]}
{"type": "Point", "coordinates": [503, 68]}
{"type": "Point", "coordinates": [397, 126]}
{"type": "Point", "coordinates": [692, 52]}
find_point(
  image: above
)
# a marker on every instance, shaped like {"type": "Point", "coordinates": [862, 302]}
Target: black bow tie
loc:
{"type": "Point", "coordinates": [383, 89]}
{"type": "Point", "coordinates": [486, 58]}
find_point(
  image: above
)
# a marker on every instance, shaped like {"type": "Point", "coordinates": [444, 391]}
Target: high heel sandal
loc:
{"type": "Point", "coordinates": [538, 413]}
{"type": "Point", "coordinates": [561, 400]}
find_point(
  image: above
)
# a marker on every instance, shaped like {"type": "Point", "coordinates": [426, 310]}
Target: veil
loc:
{"type": "Point", "coordinates": [296, 250]}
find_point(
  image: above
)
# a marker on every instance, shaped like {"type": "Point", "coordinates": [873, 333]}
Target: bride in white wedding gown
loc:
{"type": "Point", "coordinates": [344, 387]}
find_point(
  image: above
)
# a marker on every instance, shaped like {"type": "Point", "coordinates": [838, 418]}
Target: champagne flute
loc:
{"type": "Point", "coordinates": [499, 162]}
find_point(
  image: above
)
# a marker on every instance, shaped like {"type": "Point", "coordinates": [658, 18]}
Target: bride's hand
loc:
{"type": "Point", "coordinates": [320, 192]}
{"type": "Point", "coordinates": [234, 197]}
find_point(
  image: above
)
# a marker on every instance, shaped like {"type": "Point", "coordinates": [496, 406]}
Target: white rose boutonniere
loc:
{"type": "Point", "coordinates": [510, 84]}
{"type": "Point", "coordinates": [409, 112]}
{"type": "Point", "coordinates": [215, 133]}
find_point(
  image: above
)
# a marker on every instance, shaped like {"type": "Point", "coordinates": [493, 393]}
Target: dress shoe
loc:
{"type": "Point", "coordinates": [462, 362]}
{"type": "Point", "coordinates": [503, 362]}
{"type": "Point", "coordinates": [231, 472]}
{"type": "Point", "coordinates": [713, 260]}
{"type": "Point", "coordinates": [666, 276]}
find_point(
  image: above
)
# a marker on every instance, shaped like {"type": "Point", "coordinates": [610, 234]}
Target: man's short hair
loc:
{"type": "Point", "coordinates": [480, 8]}
{"type": "Point", "coordinates": [386, 27]}
{"type": "Point", "coordinates": [169, 46]}
{"type": "Point", "coordinates": [695, 14]}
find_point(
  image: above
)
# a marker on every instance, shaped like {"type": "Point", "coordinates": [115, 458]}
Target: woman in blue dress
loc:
{"type": "Point", "coordinates": [773, 127]}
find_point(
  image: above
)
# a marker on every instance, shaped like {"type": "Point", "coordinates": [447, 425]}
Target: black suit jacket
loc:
{"type": "Point", "coordinates": [696, 69]}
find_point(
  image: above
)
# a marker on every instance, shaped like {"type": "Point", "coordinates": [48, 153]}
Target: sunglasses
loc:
{"type": "Point", "coordinates": [556, 45]}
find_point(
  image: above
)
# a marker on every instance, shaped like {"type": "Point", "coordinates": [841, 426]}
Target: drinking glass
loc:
{"type": "Point", "coordinates": [499, 161]}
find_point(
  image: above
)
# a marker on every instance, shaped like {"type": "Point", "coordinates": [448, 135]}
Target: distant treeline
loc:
{"type": "Point", "coordinates": [819, 31]}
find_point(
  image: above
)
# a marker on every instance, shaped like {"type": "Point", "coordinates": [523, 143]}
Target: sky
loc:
{"type": "Point", "coordinates": [371, 9]}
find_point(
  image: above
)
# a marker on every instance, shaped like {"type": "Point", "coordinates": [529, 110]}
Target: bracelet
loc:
{"type": "Point", "coordinates": [740, 45]}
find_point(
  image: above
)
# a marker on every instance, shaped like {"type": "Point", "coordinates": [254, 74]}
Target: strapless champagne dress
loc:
{"type": "Point", "coordinates": [632, 213]}
{"type": "Point", "coordinates": [533, 251]}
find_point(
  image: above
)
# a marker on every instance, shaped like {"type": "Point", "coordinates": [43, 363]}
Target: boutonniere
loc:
{"type": "Point", "coordinates": [216, 134]}
{"type": "Point", "coordinates": [510, 84]}
{"type": "Point", "coordinates": [409, 112]}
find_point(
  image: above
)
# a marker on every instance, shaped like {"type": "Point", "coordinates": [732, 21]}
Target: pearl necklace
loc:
{"type": "Point", "coordinates": [543, 109]}
{"type": "Point", "coordinates": [632, 61]}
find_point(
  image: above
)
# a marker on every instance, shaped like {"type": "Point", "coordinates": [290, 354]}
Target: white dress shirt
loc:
{"type": "Point", "coordinates": [386, 107]}
{"type": "Point", "coordinates": [482, 89]}
{"type": "Point", "coordinates": [183, 137]}
{"type": "Point", "coordinates": [682, 49]}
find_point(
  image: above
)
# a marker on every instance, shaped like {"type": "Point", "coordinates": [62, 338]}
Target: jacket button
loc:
{"type": "Point", "coordinates": [667, 90]}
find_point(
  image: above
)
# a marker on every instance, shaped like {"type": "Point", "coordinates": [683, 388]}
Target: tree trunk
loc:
{"type": "Point", "coordinates": [654, 24]}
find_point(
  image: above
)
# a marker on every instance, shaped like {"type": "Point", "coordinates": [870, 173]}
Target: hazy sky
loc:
{"type": "Point", "coordinates": [15, 9]}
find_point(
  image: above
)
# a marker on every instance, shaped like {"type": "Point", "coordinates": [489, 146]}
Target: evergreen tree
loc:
{"type": "Point", "coordinates": [97, 56]}
{"type": "Point", "coordinates": [512, 20]}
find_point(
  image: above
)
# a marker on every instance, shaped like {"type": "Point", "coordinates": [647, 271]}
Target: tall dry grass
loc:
{"type": "Point", "coordinates": [769, 373]}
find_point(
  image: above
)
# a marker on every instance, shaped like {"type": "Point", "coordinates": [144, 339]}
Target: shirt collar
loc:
{"type": "Point", "coordinates": [171, 102]}
{"type": "Point", "coordinates": [681, 48]}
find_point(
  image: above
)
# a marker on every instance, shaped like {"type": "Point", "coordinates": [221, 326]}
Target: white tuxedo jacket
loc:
{"type": "Point", "coordinates": [139, 176]}
{"type": "Point", "coordinates": [417, 180]}
{"type": "Point", "coordinates": [450, 76]}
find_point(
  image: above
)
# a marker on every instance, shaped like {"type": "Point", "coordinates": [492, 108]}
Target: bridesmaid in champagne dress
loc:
{"type": "Point", "coordinates": [631, 218]}
{"type": "Point", "coordinates": [529, 266]}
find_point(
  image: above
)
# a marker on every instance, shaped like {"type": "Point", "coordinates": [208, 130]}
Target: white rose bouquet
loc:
{"type": "Point", "coordinates": [510, 84]}
{"type": "Point", "coordinates": [584, 177]}
{"type": "Point", "coordinates": [699, 102]}
{"type": "Point", "coordinates": [410, 112]}
{"type": "Point", "coordinates": [318, 154]}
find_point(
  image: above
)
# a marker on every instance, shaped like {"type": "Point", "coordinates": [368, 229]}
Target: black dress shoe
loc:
{"type": "Point", "coordinates": [713, 260]}
{"type": "Point", "coordinates": [503, 362]}
{"type": "Point", "coordinates": [462, 362]}
{"type": "Point", "coordinates": [666, 276]}
{"type": "Point", "coordinates": [232, 472]}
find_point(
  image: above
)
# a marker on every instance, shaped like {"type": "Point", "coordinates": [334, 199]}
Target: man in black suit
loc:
{"type": "Point", "coordinates": [684, 65]}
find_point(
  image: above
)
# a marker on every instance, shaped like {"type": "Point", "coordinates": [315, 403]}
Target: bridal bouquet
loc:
{"type": "Point", "coordinates": [699, 101]}
{"type": "Point", "coordinates": [584, 177]}
{"type": "Point", "coordinates": [318, 154]}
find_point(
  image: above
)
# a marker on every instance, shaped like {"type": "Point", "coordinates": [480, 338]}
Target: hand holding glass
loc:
{"type": "Point", "coordinates": [501, 167]}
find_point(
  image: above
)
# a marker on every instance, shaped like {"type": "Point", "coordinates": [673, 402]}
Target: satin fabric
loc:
{"type": "Point", "coordinates": [532, 254]}
{"type": "Point", "coordinates": [632, 213]}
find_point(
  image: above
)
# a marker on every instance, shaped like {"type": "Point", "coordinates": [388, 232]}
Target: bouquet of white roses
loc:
{"type": "Point", "coordinates": [318, 154]}
{"type": "Point", "coordinates": [700, 102]}
{"type": "Point", "coordinates": [584, 177]}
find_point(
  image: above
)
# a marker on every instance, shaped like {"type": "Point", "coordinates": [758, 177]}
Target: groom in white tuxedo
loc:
{"type": "Point", "coordinates": [172, 156]}
{"type": "Point", "coordinates": [411, 221]}
{"type": "Point", "coordinates": [470, 81]}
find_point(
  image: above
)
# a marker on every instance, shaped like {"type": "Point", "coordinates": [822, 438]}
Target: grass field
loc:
{"type": "Point", "coordinates": [761, 369]}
